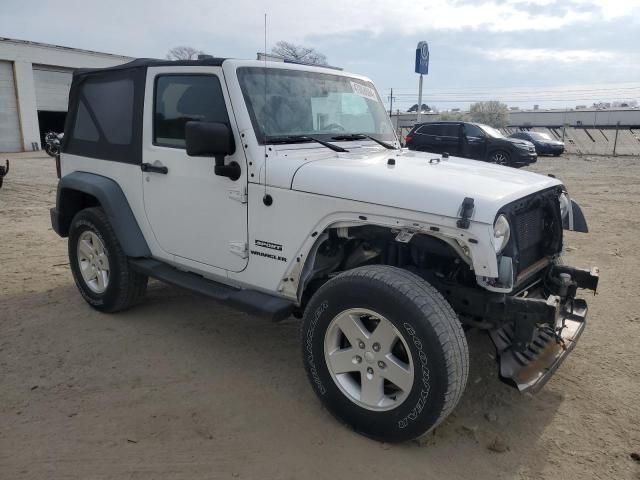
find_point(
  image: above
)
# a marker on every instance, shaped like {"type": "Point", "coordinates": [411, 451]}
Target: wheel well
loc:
{"type": "Point", "coordinates": [345, 248]}
{"type": "Point", "coordinates": [71, 202]}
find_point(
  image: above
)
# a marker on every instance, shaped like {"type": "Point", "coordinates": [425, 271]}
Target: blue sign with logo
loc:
{"type": "Point", "coordinates": [422, 58]}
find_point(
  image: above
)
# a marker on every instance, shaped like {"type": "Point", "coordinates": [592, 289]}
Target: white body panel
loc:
{"type": "Point", "coordinates": [415, 183]}
{"type": "Point", "coordinates": [190, 209]}
{"type": "Point", "coordinates": [313, 214]}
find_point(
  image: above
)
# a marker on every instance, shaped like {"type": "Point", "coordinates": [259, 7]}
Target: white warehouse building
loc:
{"type": "Point", "coordinates": [34, 89]}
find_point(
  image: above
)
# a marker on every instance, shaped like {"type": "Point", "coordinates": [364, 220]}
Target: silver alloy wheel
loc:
{"type": "Point", "coordinates": [500, 158]}
{"type": "Point", "coordinates": [368, 359]}
{"type": "Point", "coordinates": [93, 262]}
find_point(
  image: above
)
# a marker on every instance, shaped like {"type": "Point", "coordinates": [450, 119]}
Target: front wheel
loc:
{"type": "Point", "coordinates": [384, 352]}
{"type": "Point", "coordinates": [499, 157]}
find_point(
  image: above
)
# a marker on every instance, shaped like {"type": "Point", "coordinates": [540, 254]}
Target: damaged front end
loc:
{"type": "Point", "coordinates": [530, 311]}
{"type": "Point", "coordinates": [534, 329]}
{"type": "Point", "coordinates": [540, 326]}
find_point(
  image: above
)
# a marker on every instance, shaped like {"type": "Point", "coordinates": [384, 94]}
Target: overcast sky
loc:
{"type": "Point", "coordinates": [521, 51]}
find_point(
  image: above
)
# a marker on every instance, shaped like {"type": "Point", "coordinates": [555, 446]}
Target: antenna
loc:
{"type": "Point", "coordinates": [266, 199]}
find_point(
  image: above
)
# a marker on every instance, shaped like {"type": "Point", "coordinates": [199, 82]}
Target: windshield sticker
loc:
{"type": "Point", "coordinates": [364, 91]}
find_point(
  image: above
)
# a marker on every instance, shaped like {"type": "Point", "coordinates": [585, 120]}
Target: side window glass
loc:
{"type": "Point", "coordinates": [105, 110]}
{"type": "Point", "coordinates": [473, 130]}
{"type": "Point", "coordinates": [429, 130]}
{"type": "Point", "coordinates": [450, 130]}
{"type": "Point", "coordinates": [183, 98]}
{"type": "Point", "coordinates": [85, 129]}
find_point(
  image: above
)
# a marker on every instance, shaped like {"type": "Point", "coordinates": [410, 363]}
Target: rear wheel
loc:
{"type": "Point", "coordinates": [499, 157]}
{"type": "Point", "coordinates": [384, 352]}
{"type": "Point", "coordinates": [99, 265]}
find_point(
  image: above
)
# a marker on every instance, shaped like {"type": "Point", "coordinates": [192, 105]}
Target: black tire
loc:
{"type": "Point", "coordinates": [125, 286]}
{"type": "Point", "coordinates": [556, 154]}
{"type": "Point", "coordinates": [49, 150]}
{"type": "Point", "coordinates": [500, 157]}
{"type": "Point", "coordinates": [432, 332]}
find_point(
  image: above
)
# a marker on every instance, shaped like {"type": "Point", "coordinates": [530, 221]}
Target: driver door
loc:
{"type": "Point", "coordinates": [194, 214]}
{"type": "Point", "coordinates": [474, 142]}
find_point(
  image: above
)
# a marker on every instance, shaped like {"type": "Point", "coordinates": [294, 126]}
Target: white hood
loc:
{"type": "Point", "coordinates": [415, 183]}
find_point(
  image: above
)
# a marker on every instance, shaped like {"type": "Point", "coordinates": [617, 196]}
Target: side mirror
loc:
{"type": "Point", "coordinates": [212, 139]}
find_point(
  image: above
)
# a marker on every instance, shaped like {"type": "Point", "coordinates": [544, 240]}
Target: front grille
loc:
{"type": "Point", "coordinates": [529, 232]}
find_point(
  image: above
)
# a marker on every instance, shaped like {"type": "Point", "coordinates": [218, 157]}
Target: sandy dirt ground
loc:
{"type": "Point", "coordinates": [183, 388]}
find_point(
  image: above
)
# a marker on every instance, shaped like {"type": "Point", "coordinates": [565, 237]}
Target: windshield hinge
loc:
{"type": "Point", "coordinates": [240, 249]}
{"type": "Point", "coordinates": [239, 195]}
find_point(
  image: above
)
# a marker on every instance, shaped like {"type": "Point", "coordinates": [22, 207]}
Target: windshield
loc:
{"type": "Point", "coordinates": [314, 104]}
{"type": "Point", "coordinates": [540, 136]}
{"type": "Point", "coordinates": [492, 132]}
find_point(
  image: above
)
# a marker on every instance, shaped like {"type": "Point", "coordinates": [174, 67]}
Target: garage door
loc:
{"type": "Point", "coordinates": [9, 128]}
{"type": "Point", "coordinates": [52, 88]}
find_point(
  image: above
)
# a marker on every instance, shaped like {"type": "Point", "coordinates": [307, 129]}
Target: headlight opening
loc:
{"type": "Point", "coordinates": [501, 233]}
{"type": "Point", "coordinates": [564, 204]}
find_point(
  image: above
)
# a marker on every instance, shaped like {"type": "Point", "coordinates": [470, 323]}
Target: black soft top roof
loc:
{"type": "Point", "coordinates": [154, 62]}
{"type": "Point", "coordinates": [106, 108]}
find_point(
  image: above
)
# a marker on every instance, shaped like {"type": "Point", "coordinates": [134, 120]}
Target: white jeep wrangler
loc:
{"type": "Point", "coordinates": [282, 189]}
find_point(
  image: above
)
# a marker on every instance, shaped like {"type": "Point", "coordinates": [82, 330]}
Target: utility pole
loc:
{"type": "Point", "coordinates": [391, 98]}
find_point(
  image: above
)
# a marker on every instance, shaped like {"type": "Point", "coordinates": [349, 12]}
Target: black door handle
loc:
{"type": "Point", "coordinates": [147, 167]}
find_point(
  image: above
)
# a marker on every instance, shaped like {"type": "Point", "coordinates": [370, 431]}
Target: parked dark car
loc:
{"type": "Point", "coordinates": [544, 143]}
{"type": "Point", "coordinates": [470, 140]}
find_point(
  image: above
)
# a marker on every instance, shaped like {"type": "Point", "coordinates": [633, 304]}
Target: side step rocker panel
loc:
{"type": "Point", "coordinates": [250, 301]}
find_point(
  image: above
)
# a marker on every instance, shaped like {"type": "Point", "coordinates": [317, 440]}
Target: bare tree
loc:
{"type": "Point", "coordinates": [492, 113]}
{"type": "Point", "coordinates": [299, 53]}
{"type": "Point", "coordinates": [454, 116]}
{"type": "Point", "coordinates": [184, 53]}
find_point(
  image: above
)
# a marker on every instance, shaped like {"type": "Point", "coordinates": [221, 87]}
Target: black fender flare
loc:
{"type": "Point", "coordinates": [575, 220]}
{"type": "Point", "coordinates": [111, 198]}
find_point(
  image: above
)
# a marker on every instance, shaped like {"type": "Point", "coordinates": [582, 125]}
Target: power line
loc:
{"type": "Point", "coordinates": [488, 91]}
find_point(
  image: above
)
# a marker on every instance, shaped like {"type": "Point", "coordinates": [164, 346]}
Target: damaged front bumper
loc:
{"type": "Point", "coordinates": [545, 324]}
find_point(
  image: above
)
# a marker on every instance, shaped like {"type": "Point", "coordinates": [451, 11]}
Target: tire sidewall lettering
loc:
{"type": "Point", "coordinates": [313, 369]}
{"type": "Point", "coordinates": [425, 387]}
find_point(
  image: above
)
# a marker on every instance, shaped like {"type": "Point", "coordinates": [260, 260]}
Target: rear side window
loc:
{"type": "Point", "coordinates": [106, 110]}
{"type": "Point", "coordinates": [105, 115]}
{"type": "Point", "coordinates": [183, 98]}
{"type": "Point", "coordinates": [450, 130]}
{"type": "Point", "coordinates": [429, 130]}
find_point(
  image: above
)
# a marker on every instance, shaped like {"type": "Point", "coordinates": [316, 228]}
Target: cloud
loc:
{"type": "Point", "coordinates": [535, 55]}
{"type": "Point", "coordinates": [132, 21]}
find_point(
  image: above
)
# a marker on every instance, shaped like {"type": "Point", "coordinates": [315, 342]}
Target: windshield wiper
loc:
{"type": "Point", "coordinates": [362, 136]}
{"type": "Point", "coordinates": [301, 139]}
